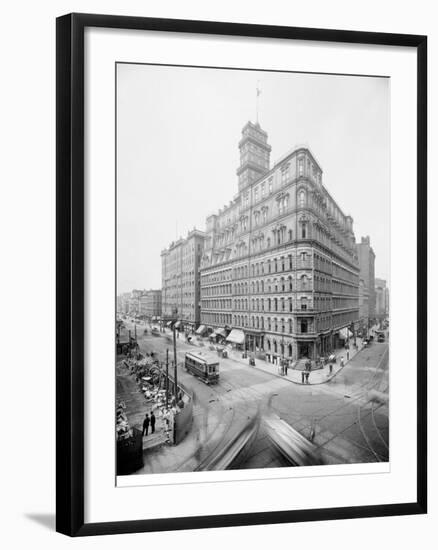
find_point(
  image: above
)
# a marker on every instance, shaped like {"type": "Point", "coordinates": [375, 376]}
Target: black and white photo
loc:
{"type": "Point", "coordinates": [253, 246]}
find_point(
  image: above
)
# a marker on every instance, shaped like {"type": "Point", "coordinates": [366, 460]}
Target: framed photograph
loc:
{"type": "Point", "coordinates": [241, 274]}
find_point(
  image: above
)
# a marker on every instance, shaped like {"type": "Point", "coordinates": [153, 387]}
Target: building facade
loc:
{"type": "Point", "coordinates": [150, 304]}
{"type": "Point", "coordinates": [180, 290]}
{"type": "Point", "coordinates": [382, 299]}
{"type": "Point", "coordinates": [366, 264]}
{"type": "Point", "coordinates": [363, 307]}
{"type": "Point", "coordinates": [280, 264]}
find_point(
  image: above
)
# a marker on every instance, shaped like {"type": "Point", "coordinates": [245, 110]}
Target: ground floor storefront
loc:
{"type": "Point", "coordinates": [293, 348]}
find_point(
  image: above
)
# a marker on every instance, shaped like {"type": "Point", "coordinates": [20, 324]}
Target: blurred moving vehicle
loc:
{"type": "Point", "coordinates": [234, 453]}
{"type": "Point", "coordinates": [295, 448]}
{"type": "Point", "coordinates": [380, 336]}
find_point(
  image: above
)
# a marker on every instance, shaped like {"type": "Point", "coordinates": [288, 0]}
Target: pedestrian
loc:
{"type": "Point", "coordinates": [307, 377]}
{"type": "Point", "coordinates": [348, 355]}
{"type": "Point", "coordinates": [303, 374]}
{"type": "Point", "coordinates": [146, 422]}
{"type": "Point", "coordinates": [152, 422]}
{"type": "Point", "coordinates": [331, 368]}
{"type": "Point", "coordinates": [285, 368]}
{"type": "Point", "coordinates": [342, 362]}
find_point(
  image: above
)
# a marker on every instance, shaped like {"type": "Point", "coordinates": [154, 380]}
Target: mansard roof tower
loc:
{"type": "Point", "coordinates": [254, 154]}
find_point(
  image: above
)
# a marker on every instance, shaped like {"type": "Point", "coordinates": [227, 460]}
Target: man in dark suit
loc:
{"type": "Point", "coordinates": [146, 422]}
{"type": "Point", "coordinates": [152, 422]}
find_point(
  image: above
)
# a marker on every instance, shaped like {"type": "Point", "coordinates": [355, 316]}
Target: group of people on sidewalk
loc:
{"type": "Point", "coordinates": [148, 420]}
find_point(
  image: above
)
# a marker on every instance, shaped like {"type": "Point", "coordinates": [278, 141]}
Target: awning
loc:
{"type": "Point", "coordinates": [177, 324]}
{"type": "Point", "coordinates": [168, 323]}
{"type": "Point", "coordinates": [201, 329]}
{"type": "Point", "coordinates": [221, 332]}
{"type": "Point", "coordinates": [236, 336]}
{"type": "Point", "coordinates": [345, 333]}
{"type": "Point", "coordinates": [213, 334]}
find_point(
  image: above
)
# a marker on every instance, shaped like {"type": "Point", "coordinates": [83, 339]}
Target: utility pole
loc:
{"type": "Point", "coordinates": [176, 364]}
{"type": "Point", "coordinates": [167, 379]}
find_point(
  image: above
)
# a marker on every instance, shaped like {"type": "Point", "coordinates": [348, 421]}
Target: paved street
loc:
{"type": "Point", "coordinates": [347, 417]}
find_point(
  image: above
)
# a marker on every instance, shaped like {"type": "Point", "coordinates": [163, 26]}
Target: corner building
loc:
{"type": "Point", "coordinates": [280, 265]}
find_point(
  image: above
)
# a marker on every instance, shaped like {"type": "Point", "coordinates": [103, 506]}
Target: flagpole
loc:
{"type": "Point", "coordinates": [258, 92]}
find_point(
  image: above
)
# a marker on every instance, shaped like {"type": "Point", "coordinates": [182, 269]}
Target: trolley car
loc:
{"type": "Point", "coordinates": [202, 367]}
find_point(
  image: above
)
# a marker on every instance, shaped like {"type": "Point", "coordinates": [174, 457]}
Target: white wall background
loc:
{"type": "Point", "coordinates": [27, 218]}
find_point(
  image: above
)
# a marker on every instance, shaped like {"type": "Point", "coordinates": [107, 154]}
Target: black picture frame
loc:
{"type": "Point", "coordinates": [70, 272]}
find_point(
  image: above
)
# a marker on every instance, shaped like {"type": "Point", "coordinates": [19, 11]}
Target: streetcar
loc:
{"type": "Point", "coordinates": [202, 367]}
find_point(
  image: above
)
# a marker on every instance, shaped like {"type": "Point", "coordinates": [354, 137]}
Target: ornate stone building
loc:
{"type": "Point", "coordinates": [280, 265]}
{"type": "Point", "coordinates": [180, 279]}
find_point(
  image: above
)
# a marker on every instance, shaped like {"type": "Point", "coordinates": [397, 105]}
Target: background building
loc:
{"type": "Point", "coordinates": [382, 299]}
{"type": "Point", "coordinates": [366, 263]}
{"type": "Point", "coordinates": [363, 307]}
{"type": "Point", "coordinates": [180, 278]}
{"type": "Point", "coordinates": [150, 304]}
{"type": "Point", "coordinates": [280, 264]}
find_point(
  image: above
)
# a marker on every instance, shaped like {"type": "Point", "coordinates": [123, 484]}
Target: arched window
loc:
{"type": "Point", "coordinates": [303, 282]}
{"type": "Point", "coordinates": [302, 199]}
{"type": "Point", "coordinates": [275, 346]}
{"type": "Point", "coordinates": [303, 230]}
{"type": "Point", "coordinates": [290, 350]}
{"type": "Point", "coordinates": [275, 304]}
{"type": "Point", "coordinates": [269, 345]}
{"type": "Point", "coordinates": [290, 326]}
{"type": "Point", "coordinates": [290, 282]}
{"type": "Point", "coordinates": [290, 234]}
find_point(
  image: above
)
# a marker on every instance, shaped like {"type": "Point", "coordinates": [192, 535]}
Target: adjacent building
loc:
{"type": "Point", "coordinates": [279, 264]}
{"type": "Point", "coordinates": [180, 288]}
{"type": "Point", "coordinates": [363, 307]}
{"type": "Point", "coordinates": [382, 299]}
{"type": "Point", "coordinates": [150, 304]}
{"type": "Point", "coordinates": [366, 263]}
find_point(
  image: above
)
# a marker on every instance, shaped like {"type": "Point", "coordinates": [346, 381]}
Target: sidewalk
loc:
{"type": "Point", "coordinates": [319, 376]}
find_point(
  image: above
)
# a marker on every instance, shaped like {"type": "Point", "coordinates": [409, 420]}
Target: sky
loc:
{"type": "Point", "coordinates": [178, 130]}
